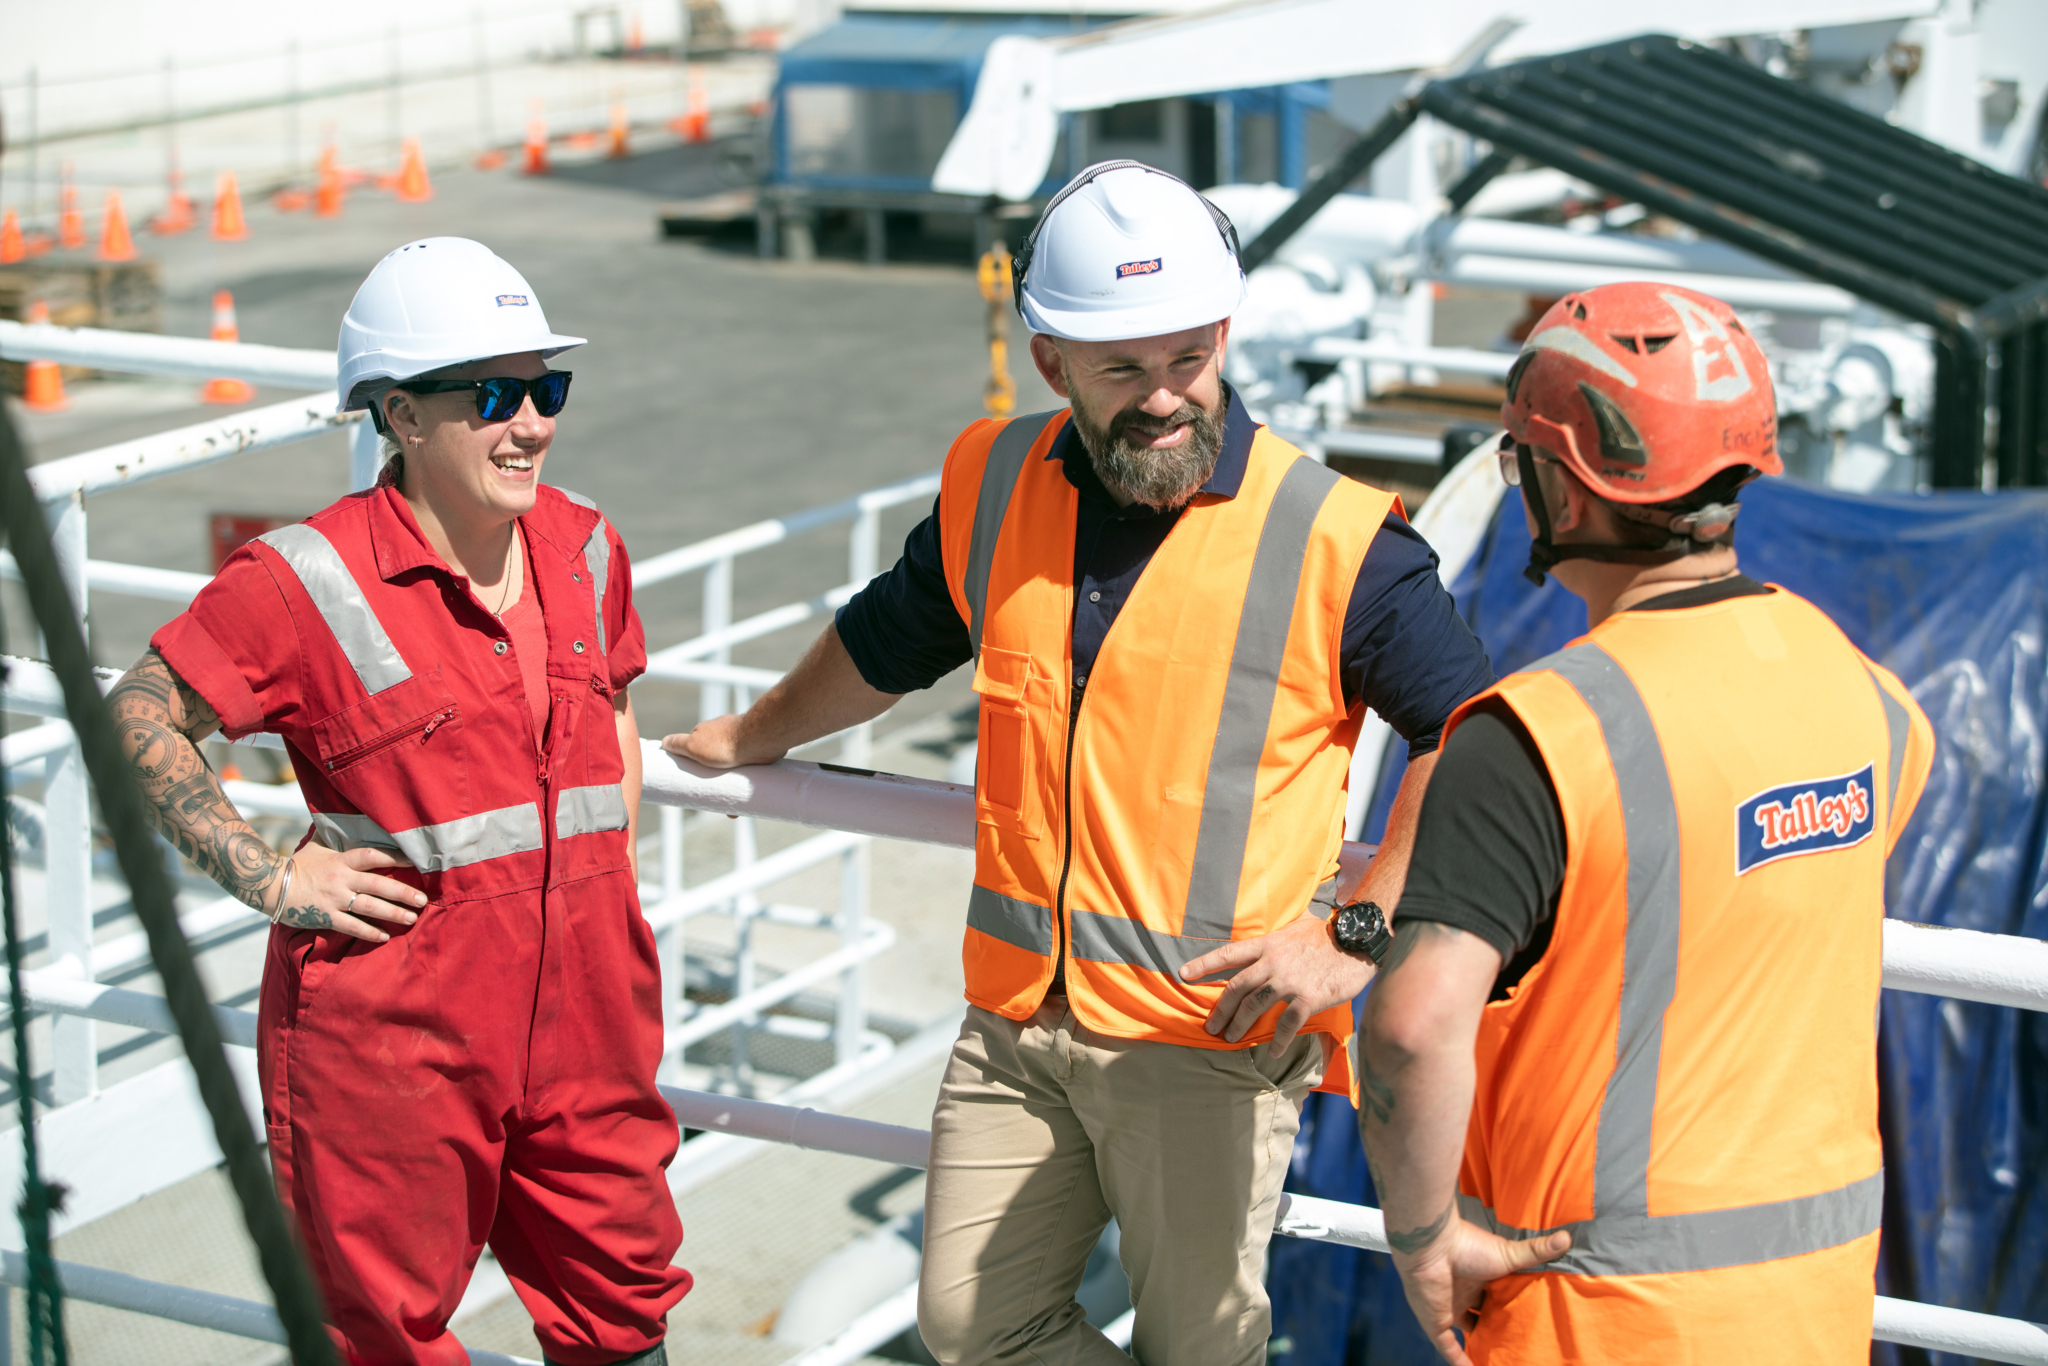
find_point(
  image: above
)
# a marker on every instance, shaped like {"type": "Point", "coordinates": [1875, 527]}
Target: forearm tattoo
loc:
{"type": "Point", "coordinates": [1407, 1240]}
{"type": "Point", "coordinates": [161, 720]}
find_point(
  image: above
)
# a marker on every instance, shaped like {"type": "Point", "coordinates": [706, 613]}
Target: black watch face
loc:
{"type": "Point", "coordinates": [1360, 928]}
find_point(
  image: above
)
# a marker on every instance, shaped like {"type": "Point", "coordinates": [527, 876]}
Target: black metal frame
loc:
{"type": "Point", "coordinates": [1796, 178]}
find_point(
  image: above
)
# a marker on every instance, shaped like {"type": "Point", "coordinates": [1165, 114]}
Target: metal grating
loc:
{"type": "Point", "coordinates": [1693, 133]}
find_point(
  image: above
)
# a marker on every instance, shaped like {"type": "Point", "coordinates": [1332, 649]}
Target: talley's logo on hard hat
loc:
{"type": "Point", "coordinates": [1804, 818]}
{"type": "Point", "coordinates": [513, 300]}
{"type": "Point", "coordinates": [1130, 268]}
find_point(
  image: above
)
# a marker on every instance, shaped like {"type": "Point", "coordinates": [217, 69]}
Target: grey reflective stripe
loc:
{"type": "Point", "coordinates": [597, 553]}
{"type": "Point", "coordinates": [1896, 722]}
{"type": "Point", "coordinates": [438, 848]}
{"type": "Point", "coordinates": [1024, 924]}
{"type": "Point", "coordinates": [1623, 1237]}
{"type": "Point", "coordinates": [1649, 973]}
{"type": "Point", "coordinates": [1656, 1244]}
{"type": "Point", "coordinates": [1254, 678]}
{"type": "Point", "coordinates": [341, 604]}
{"type": "Point", "coordinates": [589, 810]}
{"type": "Point", "coordinates": [998, 480]}
{"type": "Point", "coordinates": [1115, 939]}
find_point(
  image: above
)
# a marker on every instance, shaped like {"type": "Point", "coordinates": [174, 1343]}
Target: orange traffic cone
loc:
{"type": "Point", "coordinates": [115, 242]}
{"type": "Point", "coordinates": [70, 222]}
{"type": "Point", "coordinates": [12, 248]}
{"type": "Point", "coordinates": [537, 141]}
{"type": "Point", "coordinates": [696, 123]}
{"type": "Point", "coordinates": [228, 223]}
{"type": "Point", "coordinates": [178, 215]}
{"type": "Point", "coordinates": [634, 39]}
{"type": "Point", "coordinates": [327, 199]}
{"type": "Point", "coordinates": [413, 186]}
{"type": "Point", "coordinates": [224, 330]}
{"type": "Point", "coordinates": [43, 385]}
{"type": "Point", "coordinates": [621, 130]}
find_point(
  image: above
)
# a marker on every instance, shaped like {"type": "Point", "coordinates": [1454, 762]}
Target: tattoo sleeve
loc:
{"type": "Point", "coordinates": [161, 720]}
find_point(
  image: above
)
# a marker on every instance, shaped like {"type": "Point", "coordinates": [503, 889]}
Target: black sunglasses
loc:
{"type": "Point", "coordinates": [498, 399]}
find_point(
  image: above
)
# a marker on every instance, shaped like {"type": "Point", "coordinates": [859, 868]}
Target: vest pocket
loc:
{"type": "Point", "coordinates": [411, 711]}
{"type": "Point", "coordinates": [1004, 752]}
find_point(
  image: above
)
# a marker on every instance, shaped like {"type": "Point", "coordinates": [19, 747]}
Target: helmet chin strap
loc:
{"type": "Point", "coordinates": [1544, 555]}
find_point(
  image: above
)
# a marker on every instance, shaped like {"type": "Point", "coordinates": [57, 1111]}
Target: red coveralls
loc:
{"type": "Point", "coordinates": [486, 1075]}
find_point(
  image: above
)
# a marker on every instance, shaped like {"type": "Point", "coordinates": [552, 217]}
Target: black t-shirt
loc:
{"type": "Point", "coordinates": [1489, 845]}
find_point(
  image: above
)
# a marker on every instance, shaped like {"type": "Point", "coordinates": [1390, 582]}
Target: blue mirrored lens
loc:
{"type": "Point", "coordinates": [550, 392]}
{"type": "Point", "coordinates": [499, 399]}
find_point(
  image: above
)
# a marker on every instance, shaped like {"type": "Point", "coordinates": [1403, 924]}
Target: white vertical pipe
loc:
{"type": "Point", "coordinates": [669, 943]}
{"type": "Point", "coordinates": [365, 456]}
{"type": "Point", "coordinates": [717, 616]}
{"type": "Point", "coordinates": [850, 1026]}
{"type": "Point", "coordinates": [745, 852]}
{"type": "Point", "coordinates": [67, 803]}
{"type": "Point", "coordinates": [1418, 314]}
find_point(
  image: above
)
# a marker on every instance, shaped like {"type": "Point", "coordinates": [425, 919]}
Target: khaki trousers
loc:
{"type": "Point", "coordinates": [1044, 1130]}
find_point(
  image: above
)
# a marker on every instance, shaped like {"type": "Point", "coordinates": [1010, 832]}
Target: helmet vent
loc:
{"type": "Point", "coordinates": [1619, 444]}
{"type": "Point", "coordinates": [1579, 311]}
{"type": "Point", "coordinates": [1655, 344]}
{"type": "Point", "coordinates": [1624, 339]}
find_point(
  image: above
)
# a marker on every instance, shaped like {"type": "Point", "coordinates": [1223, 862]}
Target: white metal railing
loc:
{"type": "Point", "coordinates": [150, 353]}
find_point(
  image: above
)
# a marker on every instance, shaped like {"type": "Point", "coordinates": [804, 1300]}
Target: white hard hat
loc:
{"type": "Point", "coordinates": [433, 303]}
{"type": "Point", "coordinates": [1126, 251]}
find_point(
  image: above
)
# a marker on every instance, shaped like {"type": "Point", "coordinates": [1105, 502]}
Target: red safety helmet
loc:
{"type": "Point", "coordinates": [1646, 392]}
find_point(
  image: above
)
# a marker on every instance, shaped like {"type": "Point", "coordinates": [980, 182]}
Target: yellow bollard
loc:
{"type": "Point", "coordinates": [999, 395]}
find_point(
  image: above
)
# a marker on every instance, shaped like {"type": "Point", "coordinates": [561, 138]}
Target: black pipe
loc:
{"type": "Point", "coordinates": [1691, 204]}
{"type": "Point", "coordinates": [297, 1298]}
{"type": "Point", "coordinates": [1478, 177]}
{"type": "Point", "coordinates": [1356, 161]}
{"type": "Point", "coordinates": [1958, 438]}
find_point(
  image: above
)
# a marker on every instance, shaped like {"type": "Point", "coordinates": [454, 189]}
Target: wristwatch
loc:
{"type": "Point", "coordinates": [1361, 927]}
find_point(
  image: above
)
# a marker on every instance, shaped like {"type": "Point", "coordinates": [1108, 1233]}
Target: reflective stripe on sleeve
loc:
{"type": "Point", "coordinates": [590, 810]}
{"type": "Point", "coordinates": [1255, 661]}
{"type": "Point", "coordinates": [341, 604]}
{"type": "Point", "coordinates": [438, 848]}
{"type": "Point", "coordinates": [998, 481]}
{"type": "Point", "coordinates": [1021, 924]}
{"type": "Point", "coordinates": [1656, 1244]}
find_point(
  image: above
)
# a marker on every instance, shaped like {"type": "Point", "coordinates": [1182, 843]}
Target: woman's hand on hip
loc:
{"type": "Point", "coordinates": [331, 891]}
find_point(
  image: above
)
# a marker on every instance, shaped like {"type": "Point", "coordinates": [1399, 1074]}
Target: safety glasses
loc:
{"type": "Point", "coordinates": [498, 399]}
{"type": "Point", "coordinates": [1511, 464]}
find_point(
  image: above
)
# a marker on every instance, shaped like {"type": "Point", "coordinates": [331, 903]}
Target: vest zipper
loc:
{"type": "Point", "coordinates": [1059, 908]}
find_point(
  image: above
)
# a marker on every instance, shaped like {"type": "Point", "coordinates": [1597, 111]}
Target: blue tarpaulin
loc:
{"type": "Point", "coordinates": [1950, 592]}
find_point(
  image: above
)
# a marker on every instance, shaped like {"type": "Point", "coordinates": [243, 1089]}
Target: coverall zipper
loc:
{"type": "Point", "coordinates": [1059, 910]}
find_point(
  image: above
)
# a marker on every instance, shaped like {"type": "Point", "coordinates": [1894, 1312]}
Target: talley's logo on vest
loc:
{"type": "Point", "coordinates": [1805, 818]}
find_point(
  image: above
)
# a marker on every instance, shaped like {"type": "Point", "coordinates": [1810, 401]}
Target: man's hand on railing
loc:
{"type": "Point", "coordinates": [719, 743]}
{"type": "Point", "coordinates": [822, 695]}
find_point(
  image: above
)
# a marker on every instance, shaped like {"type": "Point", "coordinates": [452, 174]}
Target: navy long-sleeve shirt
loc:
{"type": "Point", "coordinates": [1406, 652]}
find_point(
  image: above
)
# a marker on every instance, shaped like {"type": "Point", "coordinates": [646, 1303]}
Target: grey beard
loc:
{"type": "Point", "coordinates": [1160, 479]}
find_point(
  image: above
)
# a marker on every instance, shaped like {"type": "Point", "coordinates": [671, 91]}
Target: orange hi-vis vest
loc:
{"type": "Point", "coordinates": [1687, 1079]}
{"type": "Point", "coordinates": [1188, 791]}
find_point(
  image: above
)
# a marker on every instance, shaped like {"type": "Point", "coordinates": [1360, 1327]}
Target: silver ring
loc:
{"type": "Point", "coordinates": [351, 903]}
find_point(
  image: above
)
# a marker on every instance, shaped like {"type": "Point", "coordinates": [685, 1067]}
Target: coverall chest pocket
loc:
{"type": "Point", "coordinates": [380, 750]}
{"type": "Point", "coordinates": [1008, 761]}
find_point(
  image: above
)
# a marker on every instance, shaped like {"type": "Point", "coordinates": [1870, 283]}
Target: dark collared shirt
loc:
{"type": "Point", "coordinates": [1407, 653]}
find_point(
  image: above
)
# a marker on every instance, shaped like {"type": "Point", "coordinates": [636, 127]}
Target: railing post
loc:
{"type": "Point", "coordinates": [850, 1028]}
{"type": "Point", "coordinates": [717, 616]}
{"type": "Point", "coordinates": [67, 845]}
{"type": "Point", "coordinates": [669, 942]}
{"type": "Point", "coordinates": [744, 854]}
